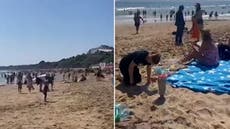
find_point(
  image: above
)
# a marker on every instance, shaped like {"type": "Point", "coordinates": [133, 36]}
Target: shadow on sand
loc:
{"type": "Point", "coordinates": [135, 90]}
{"type": "Point", "coordinates": [159, 101]}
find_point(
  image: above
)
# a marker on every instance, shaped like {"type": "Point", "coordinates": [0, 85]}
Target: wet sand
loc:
{"type": "Point", "coordinates": [182, 108]}
{"type": "Point", "coordinates": [83, 105]}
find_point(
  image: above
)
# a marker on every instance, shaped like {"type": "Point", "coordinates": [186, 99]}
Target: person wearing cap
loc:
{"type": "Point", "coordinates": [137, 20]}
{"type": "Point", "coordinates": [180, 23]}
{"type": "Point", "coordinates": [129, 66]}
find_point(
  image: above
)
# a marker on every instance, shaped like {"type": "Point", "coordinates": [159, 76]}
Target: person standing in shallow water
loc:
{"type": "Point", "coordinates": [137, 20]}
{"type": "Point", "coordinates": [129, 66]}
{"type": "Point", "coordinates": [180, 23]}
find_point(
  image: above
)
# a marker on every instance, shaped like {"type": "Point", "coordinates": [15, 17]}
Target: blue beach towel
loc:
{"type": "Point", "coordinates": [203, 79]}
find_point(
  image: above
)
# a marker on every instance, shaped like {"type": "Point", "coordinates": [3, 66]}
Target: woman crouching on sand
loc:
{"type": "Point", "coordinates": [129, 66]}
{"type": "Point", "coordinates": [206, 54]}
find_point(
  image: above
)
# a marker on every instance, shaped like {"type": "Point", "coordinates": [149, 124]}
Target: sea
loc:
{"type": "Point", "coordinates": [124, 9]}
{"type": "Point", "coordinates": [2, 78]}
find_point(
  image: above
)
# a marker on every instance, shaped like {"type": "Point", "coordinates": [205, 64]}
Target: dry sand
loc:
{"type": "Point", "coordinates": [84, 105]}
{"type": "Point", "coordinates": [183, 108]}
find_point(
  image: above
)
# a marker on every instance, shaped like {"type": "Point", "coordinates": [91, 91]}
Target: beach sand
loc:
{"type": "Point", "coordinates": [84, 105]}
{"type": "Point", "coordinates": [182, 108]}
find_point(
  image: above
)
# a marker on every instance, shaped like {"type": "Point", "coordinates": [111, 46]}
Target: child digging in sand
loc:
{"type": "Point", "coordinates": [206, 54]}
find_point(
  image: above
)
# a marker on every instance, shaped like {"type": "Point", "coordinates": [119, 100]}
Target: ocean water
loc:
{"type": "Point", "coordinates": [124, 9]}
{"type": "Point", "coordinates": [2, 79]}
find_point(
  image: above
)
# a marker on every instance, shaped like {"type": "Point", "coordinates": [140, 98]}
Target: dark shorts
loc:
{"type": "Point", "coordinates": [125, 72]}
{"type": "Point", "coordinates": [45, 89]}
{"type": "Point", "coordinates": [137, 24]}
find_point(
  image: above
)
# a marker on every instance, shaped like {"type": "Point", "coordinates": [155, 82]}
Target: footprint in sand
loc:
{"type": "Point", "coordinates": [218, 126]}
{"type": "Point", "coordinates": [200, 103]}
{"type": "Point", "coordinates": [182, 120]}
{"type": "Point", "coordinates": [205, 112]}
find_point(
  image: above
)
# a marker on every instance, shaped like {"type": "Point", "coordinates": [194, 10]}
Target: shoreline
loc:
{"type": "Point", "coordinates": [129, 20]}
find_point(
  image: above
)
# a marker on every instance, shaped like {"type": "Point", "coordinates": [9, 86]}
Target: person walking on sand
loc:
{"type": "Point", "coordinates": [180, 24]}
{"type": "Point", "coordinates": [129, 66]}
{"type": "Point", "coordinates": [45, 87]}
{"type": "Point", "coordinates": [19, 82]}
{"type": "Point", "coordinates": [137, 20]}
{"type": "Point", "coordinates": [29, 81]}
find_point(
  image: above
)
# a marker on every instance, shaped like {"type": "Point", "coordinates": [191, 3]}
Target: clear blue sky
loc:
{"type": "Point", "coordinates": [35, 30]}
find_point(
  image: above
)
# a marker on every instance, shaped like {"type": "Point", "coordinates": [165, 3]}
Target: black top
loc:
{"type": "Point", "coordinates": [137, 18]}
{"type": "Point", "coordinates": [138, 57]}
{"type": "Point", "coordinates": [180, 19]}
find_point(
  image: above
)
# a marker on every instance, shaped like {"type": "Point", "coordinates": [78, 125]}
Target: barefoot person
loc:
{"type": "Point", "coordinates": [129, 66]}
{"type": "Point", "coordinates": [206, 54]}
{"type": "Point", "coordinates": [137, 20]}
{"type": "Point", "coordinates": [19, 82]}
{"type": "Point", "coordinates": [45, 88]}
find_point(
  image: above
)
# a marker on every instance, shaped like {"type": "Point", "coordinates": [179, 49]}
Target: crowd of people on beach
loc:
{"type": "Point", "coordinates": [73, 75]}
{"type": "Point", "coordinates": [45, 79]}
{"type": "Point", "coordinates": [170, 15]}
{"type": "Point", "coordinates": [28, 78]}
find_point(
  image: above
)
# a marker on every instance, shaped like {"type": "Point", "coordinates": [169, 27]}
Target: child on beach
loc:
{"type": "Point", "coordinates": [129, 66]}
{"type": "Point", "coordinates": [206, 54]}
{"type": "Point", "coordinates": [137, 21]}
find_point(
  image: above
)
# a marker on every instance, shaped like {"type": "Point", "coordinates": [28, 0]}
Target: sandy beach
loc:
{"type": "Point", "coordinates": [83, 105]}
{"type": "Point", "coordinates": [182, 108]}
